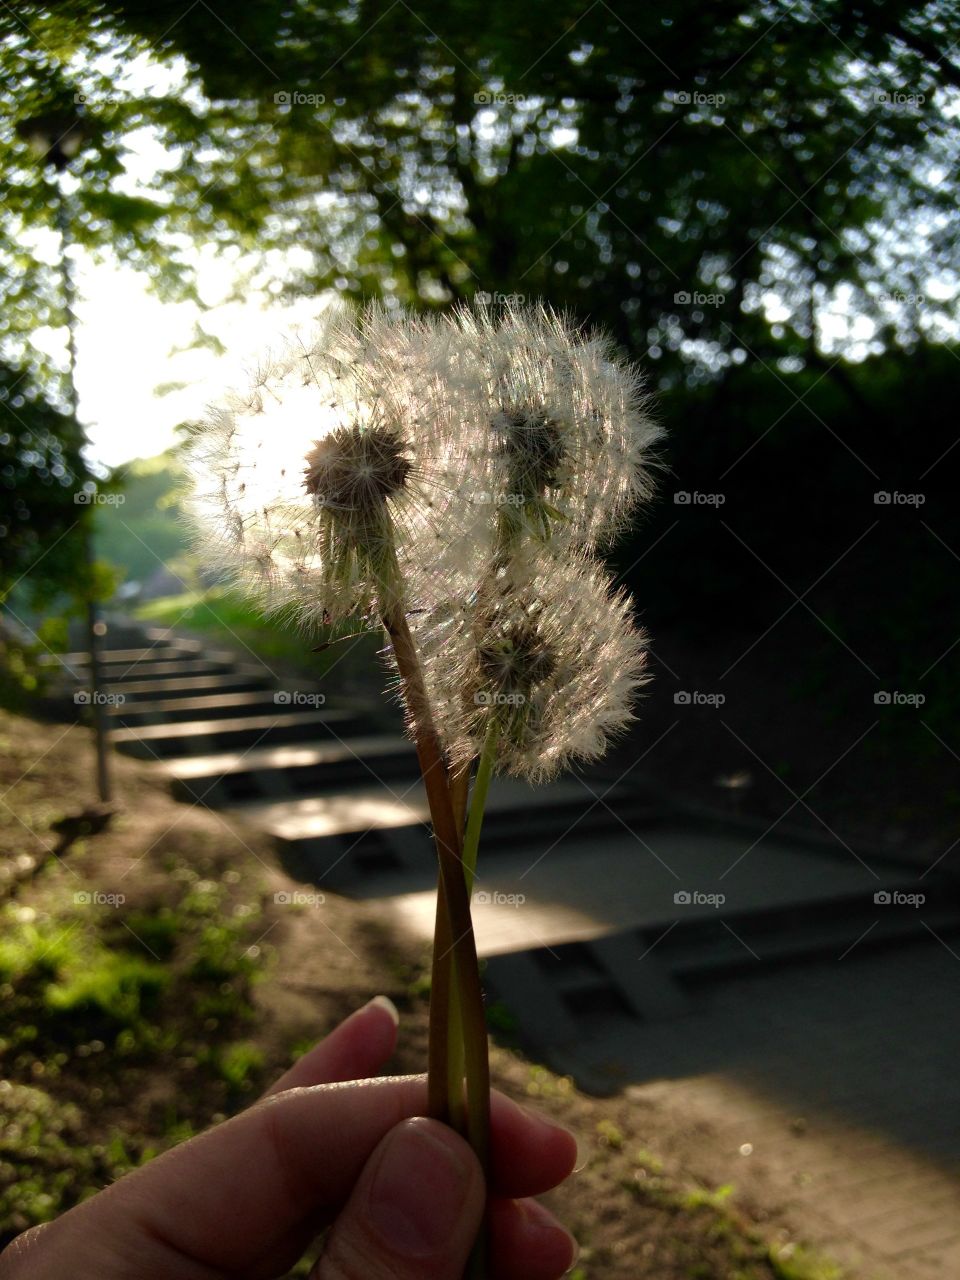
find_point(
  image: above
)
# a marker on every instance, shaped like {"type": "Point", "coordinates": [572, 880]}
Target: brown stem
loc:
{"type": "Point", "coordinates": [460, 943]}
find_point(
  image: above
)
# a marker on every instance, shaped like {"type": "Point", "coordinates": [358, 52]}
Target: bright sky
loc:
{"type": "Point", "coordinates": [127, 342]}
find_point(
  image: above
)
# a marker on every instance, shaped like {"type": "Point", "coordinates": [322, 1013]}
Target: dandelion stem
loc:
{"type": "Point", "coordinates": [459, 943]}
{"type": "Point", "coordinates": [478, 801]}
{"type": "Point", "coordinates": [481, 787]}
{"type": "Point", "coordinates": [459, 790]}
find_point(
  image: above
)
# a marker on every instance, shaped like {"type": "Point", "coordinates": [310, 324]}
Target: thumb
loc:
{"type": "Point", "coordinates": [414, 1212]}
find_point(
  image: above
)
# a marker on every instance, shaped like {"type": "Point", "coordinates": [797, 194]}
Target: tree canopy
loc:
{"type": "Point", "coordinates": [709, 181]}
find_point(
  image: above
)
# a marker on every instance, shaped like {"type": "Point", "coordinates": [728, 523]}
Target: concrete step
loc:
{"type": "Point", "coordinates": [201, 737]}
{"type": "Point", "coordinates": [374, 841]}
{"type": "Point", "coordinates": [158, 667]}
{"type": "Point", "coordinates": [276, 771]}
{"type": "Point", "coordinates": [133, 711]}
{"type": "Point", "coordinates": [379, 807]}
{"type": "Point", "coordinates": [107, 656]}
{"type": "Point", "coordinates": [166, 687]}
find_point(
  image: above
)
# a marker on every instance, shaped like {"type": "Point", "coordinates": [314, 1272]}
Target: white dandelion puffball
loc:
{"type": "Point", "coordinates": [549, 651]}
{"type": "Point", "coordinates": [560, 424]}
{"type": "Point", "coordinates": [337, 471]}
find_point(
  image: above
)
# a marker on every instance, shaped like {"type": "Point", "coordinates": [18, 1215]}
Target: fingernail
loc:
{"type": "Point", "coordinates": [420, 1188]}
{"type": "Point", "coordinates": [555, 1238]}
{"type": "Point", "coordinates": [385, 1003]}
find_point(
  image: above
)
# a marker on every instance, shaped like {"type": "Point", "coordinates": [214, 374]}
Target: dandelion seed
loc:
{"type": "Point", "coordinates": [549, 651]}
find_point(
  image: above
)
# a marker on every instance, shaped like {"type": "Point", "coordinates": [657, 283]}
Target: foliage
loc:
{"type": "Point", "coordinates": [606, 162]}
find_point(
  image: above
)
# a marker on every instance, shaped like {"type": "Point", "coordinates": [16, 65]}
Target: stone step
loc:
{"type": "Point", "coordinates": [190, 686]}
{"type": "Point", "coordinates": [202, 737]}
{"type": "Point", "coordinates": [133, 711]}
{"type": "Point", "coordinates": [379, 807]}
{"type": "Point", "coordinates": [110, 656]}
{"type": "Point", "coordinates": [159, 668]}
{"type": "Point", "coordinates": [276, 771]}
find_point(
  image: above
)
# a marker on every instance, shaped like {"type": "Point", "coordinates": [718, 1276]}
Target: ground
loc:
{"type": "Point", "coordinates": [136, 1023]}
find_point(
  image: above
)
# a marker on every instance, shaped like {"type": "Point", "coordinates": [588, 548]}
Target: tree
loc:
{"type": "Point", "coordinates": [616, 162]}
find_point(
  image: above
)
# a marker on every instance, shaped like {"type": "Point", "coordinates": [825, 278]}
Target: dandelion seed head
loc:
{"type": "Point", "coordinates": [547, 649]}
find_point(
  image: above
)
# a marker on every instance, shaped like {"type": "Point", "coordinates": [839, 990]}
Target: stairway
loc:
{"type": "Point", "coordinates": [599, 906]}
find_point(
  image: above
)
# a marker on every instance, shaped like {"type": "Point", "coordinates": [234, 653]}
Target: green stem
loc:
{"type": "Point", "coordinates": [478, 801]}
{"type": "Point", "coordinates": [471, 844]}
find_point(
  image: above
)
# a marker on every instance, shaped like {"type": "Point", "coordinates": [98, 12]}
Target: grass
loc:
{"type": "Point", "coordinates": [132, 1027]}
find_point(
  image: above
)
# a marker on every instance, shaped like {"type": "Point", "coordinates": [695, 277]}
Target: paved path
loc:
{"type": "Point", "coordinates": [756, 984]}
{"type": "Point", "coordinates": [841, 1076]}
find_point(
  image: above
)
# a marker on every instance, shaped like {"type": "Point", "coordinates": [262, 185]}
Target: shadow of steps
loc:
{"type": "Point", "coordinates": [580, 1003]}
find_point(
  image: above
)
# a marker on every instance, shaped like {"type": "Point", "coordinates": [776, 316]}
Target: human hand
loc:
{"type": "Point", "coordinates": [327, 1146]}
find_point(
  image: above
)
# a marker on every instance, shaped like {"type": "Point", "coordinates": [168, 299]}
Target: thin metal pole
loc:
{"type": "Point", "coordinates": [94, 625]}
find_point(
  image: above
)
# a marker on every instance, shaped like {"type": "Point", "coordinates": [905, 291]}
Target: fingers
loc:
{"type": "Point", "coordinates": [417, 1207]}
{"type": "Point", "coordinates": [528, 1153]}
{"type": "Point", "coordinates": [243, 1187]}
{"type": "Point", "coordinates": [414, 1212]}
{"type": "Point", "coordinates": [355, 1050]}
{"type": "Point", "coordinates": [527, 1242]}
